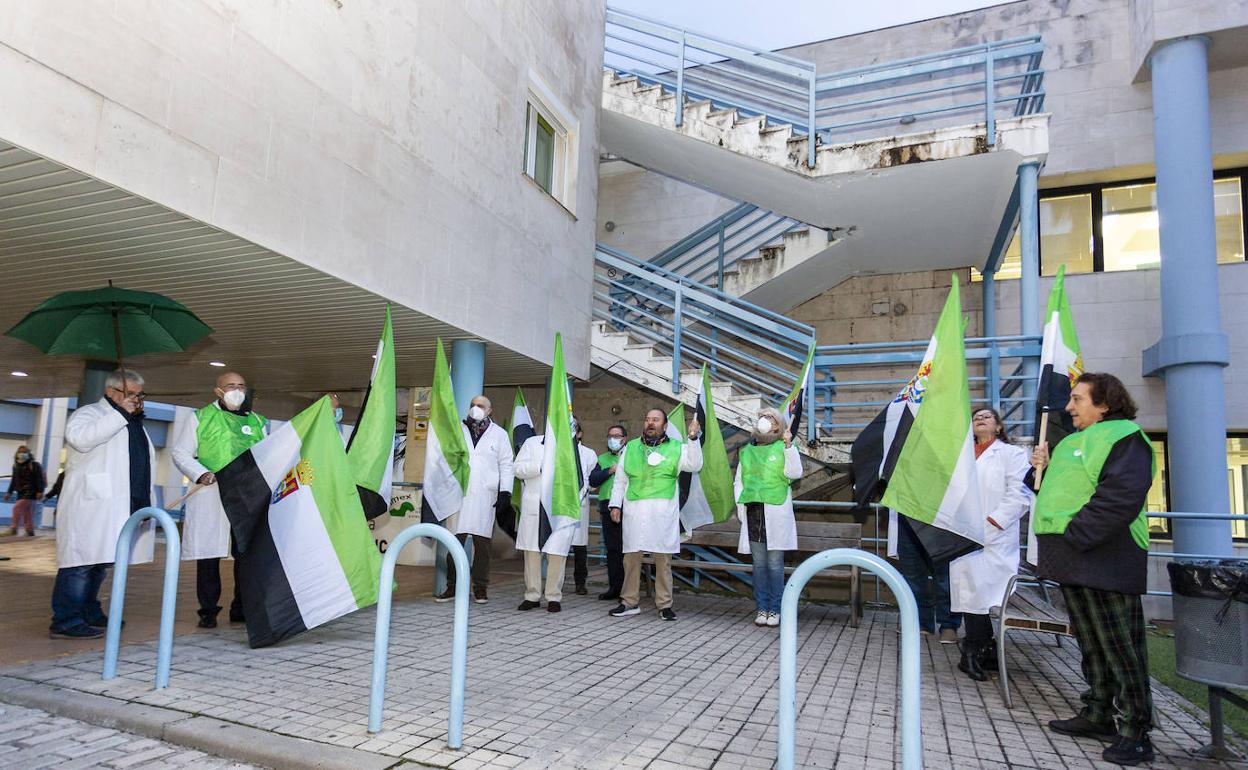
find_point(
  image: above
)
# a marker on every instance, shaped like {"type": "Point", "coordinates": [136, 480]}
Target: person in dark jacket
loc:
{"type": "Point", "coordinates": [27, 484]}
{"type": "Point", "coordinates": [1092, 533]}
{"type": "Point", "coordinates": [602, 478]}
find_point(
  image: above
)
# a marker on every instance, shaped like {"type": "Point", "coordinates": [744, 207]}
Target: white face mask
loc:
{"type": "Point", "coordinates": [476, 413]}
{"type": "Point", "coordinates": [234, 398]}
{"type": "Point", "coordinates": [764, 425]}
{"type": "Point", "coordinates": [614, 444]}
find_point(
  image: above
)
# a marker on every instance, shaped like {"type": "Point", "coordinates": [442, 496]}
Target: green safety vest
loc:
{"type": "Point", "coordinates": [652, 482]}
{"type": "Point", "coordinates": [1072, 475]}
{"type": "Point", "coordinates": [762, 474]}
{"type": "Point", "coordinates": [224, 435]}
{"type": "Point", "coordinates": [607, 460]}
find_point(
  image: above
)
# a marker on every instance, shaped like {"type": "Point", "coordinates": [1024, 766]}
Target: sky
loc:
{"type": "Point", "coordinates": [803, 21]}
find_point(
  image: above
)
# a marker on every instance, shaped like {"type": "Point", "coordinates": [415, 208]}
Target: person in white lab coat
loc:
{"type": "Point", "coordinates": [209, 439]}
{"type": "Point", "coordinates": [528, 468]}
{"type": "Point", "coordinates": [489, 496]}
{"type": "Point", "coordinates": [646, 500]}
{"type": "Point", "coordinates": [977, 581]}
{"type": "Point", "coordinates": [109, 469]}
{"type": "Point", "coordinates": [766, 468]}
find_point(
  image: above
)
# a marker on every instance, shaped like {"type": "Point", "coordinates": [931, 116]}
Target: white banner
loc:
{"type": "Point", "coordinates": [404, 512]}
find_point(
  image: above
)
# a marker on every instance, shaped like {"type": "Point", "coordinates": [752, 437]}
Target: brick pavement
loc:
{"type": "Point", "coordinates": [581, 690]}
{"type": "Point", "coordinates": [31, 739]}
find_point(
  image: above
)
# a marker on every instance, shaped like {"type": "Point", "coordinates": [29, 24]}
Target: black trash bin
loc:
{"type": "Point", "coordinates": [1211, 621]}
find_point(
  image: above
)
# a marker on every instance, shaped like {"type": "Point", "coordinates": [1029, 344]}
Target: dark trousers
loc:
{"type": "Point", "coordinates": [76, 597]}
{"type": "Point", "coordinates": [613, 541]}
{"type": "Point", "coordinates": [929, 582]}
{"type": "Point", "coordinates": [1109, 627]}
{"type": "Point", "coordinates": [480, 564]}
{"type": "Point", "coordinates": [978, 628]}
{"type": "Point", "coordinates": [208, 588]}
{"type": "Point", "coordinates": [580, 565]}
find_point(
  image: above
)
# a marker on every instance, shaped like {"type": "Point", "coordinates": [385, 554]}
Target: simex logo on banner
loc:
{"type": "Point", "coordinates": [404, 512]}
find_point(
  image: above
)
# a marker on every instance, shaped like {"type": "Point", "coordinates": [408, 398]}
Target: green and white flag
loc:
{"type": "Point", "coordinates": [446, 449]}
{"type": "Point", "coordinates": [519, 430]}
{"type": "Point", "coordinates": [1061, 363]}
{"type": "Point", "coordinates": [934, 481]}
{"type": "Point", "coordinates": [706, 497]}
{"type": "Point", "coordinates": [305, 553]}
{"type": "Point", "coordinates": [561, 463]}
{"type": "Point", "coordinates": [370, 451]}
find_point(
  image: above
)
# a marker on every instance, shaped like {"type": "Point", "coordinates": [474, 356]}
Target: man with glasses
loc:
{"type": "Point", "coordinates": [210, 438]}
{"type": "Point", "coordinates": [109, 469]}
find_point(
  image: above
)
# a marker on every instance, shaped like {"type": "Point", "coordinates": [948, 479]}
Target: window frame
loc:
{"type": "Point", "coordinates": [1167, 536]}
{"type": "Point", "coordinates": [540, 100]}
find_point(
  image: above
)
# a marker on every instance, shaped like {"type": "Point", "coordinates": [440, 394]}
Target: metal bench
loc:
{"type": "Point", "coordinates": [1028, 605]}
{"type": "Point", "coordinates": [812, 537]}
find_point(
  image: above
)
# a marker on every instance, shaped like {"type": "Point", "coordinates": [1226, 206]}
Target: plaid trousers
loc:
{"type": "Point", "coordinates": [1109, 627]}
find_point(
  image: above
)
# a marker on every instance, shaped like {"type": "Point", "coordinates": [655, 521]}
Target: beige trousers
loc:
{"type": "Point", "coordinates": [631, 594]}
{"type": "Point", "coordinates": [533, 576]}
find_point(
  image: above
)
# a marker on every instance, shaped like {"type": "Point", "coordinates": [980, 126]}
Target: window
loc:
{"type": "Point", "coordinates": [1115, 227]}
{"type": "Point", "coordinates": [550, 151]}
{"type": "Point", "coordinates": [1237, 470]}
{"type": "Point", "coordinates": [1237, 484]}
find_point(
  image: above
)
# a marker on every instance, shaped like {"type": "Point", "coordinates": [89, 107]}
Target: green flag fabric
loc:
{"type": "Point", "coordinates": [446, 449]}
{"type": "Point", "coordinates": [370, 452]}
{"type": "Point", "coordinates": [706, 497]}
{"type": "Point", "coordinates": [560, 475]}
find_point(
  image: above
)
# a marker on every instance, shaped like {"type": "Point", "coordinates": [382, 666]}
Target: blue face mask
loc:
{"type": "Point", "coordinates": [614, 443]}
{"type": "Point", "coordinates": [22, 457]}
{"type": "Point", "coordinates": [337, 414]}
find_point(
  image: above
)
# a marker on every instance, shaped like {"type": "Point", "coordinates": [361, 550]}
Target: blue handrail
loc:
{"type": "Point", "coordinates": [459, 636]}
{"type": "Point", "coordinates": [911, 683]}
{"type": "Point", "coordinates": [981, 79]}
{"type": "Point", "coordinates": [168, 595]}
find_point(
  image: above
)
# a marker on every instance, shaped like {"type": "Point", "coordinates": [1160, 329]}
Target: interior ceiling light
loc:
{"type": "Point", "coordinates": [216, 363]}
{"type": "Point", "coordinates": [19, 374]}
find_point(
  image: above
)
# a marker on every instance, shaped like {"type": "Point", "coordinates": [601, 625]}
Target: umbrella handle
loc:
{"type": "Point", "coordinates": [117, 336]}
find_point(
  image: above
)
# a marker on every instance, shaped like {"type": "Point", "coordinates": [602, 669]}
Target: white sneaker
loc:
{"type": "Point", "coordinates": [773, 619]}
{"type": "Point", "coordinates": [760, 619]}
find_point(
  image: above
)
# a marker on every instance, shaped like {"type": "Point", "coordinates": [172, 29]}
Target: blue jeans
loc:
{"type": "Point", "coordinates": [930, 583]}
{"type": "Point", "coordinates": [76, 597]}
{"type": "Point", "coordinates": [768, 577]}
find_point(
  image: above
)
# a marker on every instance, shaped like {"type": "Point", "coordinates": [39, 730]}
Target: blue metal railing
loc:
{"type": "Point", "coordinates": [750, 347]}
{"type": "Point", "coordinates": [982, 81]}
{"type": "Point", "coordinates": [168, 595]}
{"type": "Point", "coordinates": [706, 253]}
{"type": "Point", "coordinates": [854, 382]}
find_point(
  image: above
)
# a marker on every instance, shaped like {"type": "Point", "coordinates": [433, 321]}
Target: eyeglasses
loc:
{"type": "Point", "coordinates": [140, 395]}
{"type": "Point", "coordinates": [233, 386]}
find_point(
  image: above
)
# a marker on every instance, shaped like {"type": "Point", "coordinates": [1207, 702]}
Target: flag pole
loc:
{"type": "Point", "coordinates": [194, 488]}
{"type": "Point", "coordinates": [1044, 430]}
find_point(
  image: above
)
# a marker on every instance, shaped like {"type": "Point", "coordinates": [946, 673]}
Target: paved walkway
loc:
{"type": "Point", "coordinates": [582, 690]}
{"type": "Point", "coordinates": [32, 739]}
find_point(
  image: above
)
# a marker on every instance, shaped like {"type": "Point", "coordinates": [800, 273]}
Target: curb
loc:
{"type": "Point", "coordinates": [214, 736]}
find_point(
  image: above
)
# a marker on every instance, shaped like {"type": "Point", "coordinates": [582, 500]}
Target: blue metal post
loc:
{"type": "Point", "coordinates": [990, 97]}
{"type": "Point", "coordinates": [677, 322]}
{"type": "Point", "coordinates": [811, 433]}
{"type": "Point", "coordinates": [168, 596]}
{"type": "Point", "coordinates": [993, 362]}
{"type": "Point", "coordinates": [680, 82]}
{"type": "Point", "coordinates": [911, 695]}
{"type": "Point", "coordinates": [467, 382]}
{"type": "Point", "coordinates": [459, 634]}
{"type": "Point", "coordinates": [811, 99]}
{"type": "Point", "coordinates": [1029, 283]}
{"type": "Point", "coordinates": [1192, 349]}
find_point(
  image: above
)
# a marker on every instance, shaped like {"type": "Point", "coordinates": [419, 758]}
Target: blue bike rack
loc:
{"type": "Point", "coordinates": [911, 737]}
{"type": "Point", "coordinates": [168, 596]}
{"type": "Point", "coordinates": [459, 641]}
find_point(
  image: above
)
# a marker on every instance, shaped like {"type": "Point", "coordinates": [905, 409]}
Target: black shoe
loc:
{"type": "Point", "coordinates": [621, 611]}
{"type": "Point", "coordinates": [76, 632]}
{"type": "Point", "coordinates": [581, 590]}
{"type": "Point", "coordinates": [102, 622]}
{"type": "Point", "coordinates": [1082, 727]}
{"type": "Point", "coordinates": [553, 607]}
{"type": "Point", "coordinates": [667, 614]}
{"type": "Point", "coordinates": [609, 597]}
{"type": "Point", "coordinates": [446, 596]}
{"type": "Point", "coordinates": [237, 617]}
{"type": "Point", "coordinates": [1129, 751]}
{"type": "Point", "coordinates": [988, 656]}
{"type": "Point", "coordinates": [527, 605]}
{"type": "Point", "coordinates": [970, 662]}
{"type": "Point", "coordinates": [478, 596]}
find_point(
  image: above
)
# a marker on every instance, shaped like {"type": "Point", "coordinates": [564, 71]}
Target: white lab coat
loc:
{"type": "Point", "coordinates": [528, 468]}
{"type": "Point", "coordinates": [977, 581]}
{"type": "Point", "coordinates": [205, 530]}
{"type": "Point", "coordinates": [95, 499]}
{"type": "Point", "coordinates": [779, 520]}
{"type": "Point", "coordinates": [653, 525]}
{"type": "Point", "coordinates": [490, 472]}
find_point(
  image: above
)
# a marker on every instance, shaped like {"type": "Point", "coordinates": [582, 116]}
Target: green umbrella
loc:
{"type": "Point", "coordinates": [105, 323]}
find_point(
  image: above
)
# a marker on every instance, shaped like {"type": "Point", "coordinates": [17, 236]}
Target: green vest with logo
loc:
{"type": "Point", "coordinates": [607, 460]}
{"type": "Point", "coordinates": [1071, 477]}
{"type": "Point", "coordinates": [223, 435]}
{"type": "Point", "coordinates": [652, 482]}
{"type": "Point", "coordinates": [762, 474]}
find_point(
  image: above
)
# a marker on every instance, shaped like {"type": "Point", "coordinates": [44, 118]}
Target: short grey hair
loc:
{"type": "Point", "coordinates": [777, 418]}
{"type": "Point", "coordinates": [119, 377]}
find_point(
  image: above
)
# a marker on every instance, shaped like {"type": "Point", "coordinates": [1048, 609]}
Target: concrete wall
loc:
{"type": "Point", "coordinates": [650, 211]}
{"type": "Point", "coordinates": [380, 141]}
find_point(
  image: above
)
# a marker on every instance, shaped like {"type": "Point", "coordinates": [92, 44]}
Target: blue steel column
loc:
{"type": "Point", "coordinates": [993, 363]}
{"type": "Point", "coordinates": [467, 382]}
{"type": "Point", "coordinates": [1029, 283]}
{"type": "Point", "coordinates": [1192, 349]}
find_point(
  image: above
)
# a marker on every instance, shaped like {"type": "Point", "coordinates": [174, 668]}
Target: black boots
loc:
{"type": "Point", "coordinates": [971, 663]}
